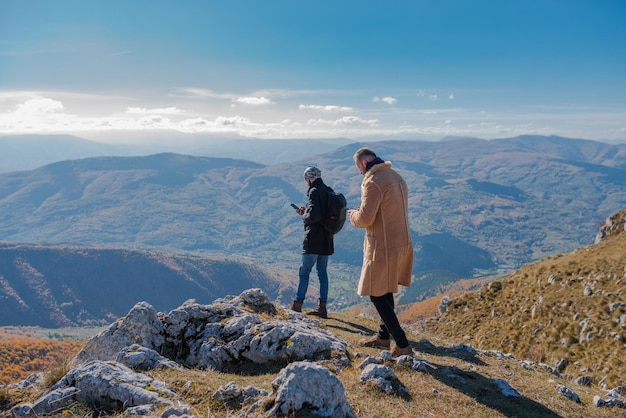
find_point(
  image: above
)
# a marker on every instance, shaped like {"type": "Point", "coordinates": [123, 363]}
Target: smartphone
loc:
{"type": "Point", "coordinates": [293, 205]}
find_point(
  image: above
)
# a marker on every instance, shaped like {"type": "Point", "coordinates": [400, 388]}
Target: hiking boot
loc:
{"type": "Point", "coordinates": [397, 351]}
{"type": "Point", "coordinates": [375, 342]}
{"type": "Point", "coordinates": [296, 306]}
{"type": "Point", "coordinates": [320, 310]}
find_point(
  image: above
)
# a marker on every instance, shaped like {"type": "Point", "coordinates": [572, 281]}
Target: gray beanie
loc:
{"type": "Point", "coordinates": [312, 173]}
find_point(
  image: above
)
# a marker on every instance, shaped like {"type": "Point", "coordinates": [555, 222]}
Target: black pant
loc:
{"type": "Point", "coordinates": [389, 324]}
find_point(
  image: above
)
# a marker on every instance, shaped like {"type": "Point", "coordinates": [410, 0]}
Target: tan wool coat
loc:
{"type": "Point", "coordinates": [387, 249]}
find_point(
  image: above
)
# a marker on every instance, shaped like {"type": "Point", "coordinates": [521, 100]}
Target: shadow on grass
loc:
{"type": "Point", "coordinates": [424, 346]}
{"type": "Point", "coordinates": [350, 327]}
{"type": "Point", "coordinates": [487, 392]}
{"type": "Point", "coordinates": [462, 352]}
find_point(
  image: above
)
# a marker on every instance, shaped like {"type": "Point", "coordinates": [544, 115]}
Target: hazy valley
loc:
{"type": "Point", "coordinates": [478, 208]}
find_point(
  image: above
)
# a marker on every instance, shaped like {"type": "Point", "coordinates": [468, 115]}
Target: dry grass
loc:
{"type": "Point", "coordinates": [433, 393]}
{"type": "Point", "coordinates": [556, 308]}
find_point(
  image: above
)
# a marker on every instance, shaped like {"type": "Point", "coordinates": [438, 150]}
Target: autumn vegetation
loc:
{"type": "Point", "coordinates": [21, 357]}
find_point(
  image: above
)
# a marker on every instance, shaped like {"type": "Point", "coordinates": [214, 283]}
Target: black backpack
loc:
{"type": "Point", "coordinates": [335, 215]}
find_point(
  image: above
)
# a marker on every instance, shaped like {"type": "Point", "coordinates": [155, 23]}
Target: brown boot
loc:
{"type": "Point", "coordinates": [375, 342]}
{"type": "Point", "coordinates": [296, 306]}
{"type": "Point", "coordinates": [320, 310]}
{"type": "Point", "coordinates": [397, 351]}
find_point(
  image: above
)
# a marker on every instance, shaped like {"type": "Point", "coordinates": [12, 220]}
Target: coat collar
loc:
{"type": "Point", "coordinates": [377, 167]}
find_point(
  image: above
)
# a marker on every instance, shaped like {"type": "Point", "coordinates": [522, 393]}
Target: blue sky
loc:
{"type": "Point", "coordinates": [116, 69]}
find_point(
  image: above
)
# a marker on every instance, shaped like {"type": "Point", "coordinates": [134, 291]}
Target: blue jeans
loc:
{"type": "Point", "coordinates": [321, 262]}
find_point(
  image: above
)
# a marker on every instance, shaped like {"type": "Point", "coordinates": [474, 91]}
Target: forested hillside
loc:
{"type": "Point", "coordinates": [79, 286]}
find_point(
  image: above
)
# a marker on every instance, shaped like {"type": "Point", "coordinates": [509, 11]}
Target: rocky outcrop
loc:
{"type": "Point", "coordinates": [613, 225]}
{"type": "Point", "coordinates": [107, 387]}
{"type": "Point", "coordinates": [239, 329]}
{"type": "Point", "coordinates": [215, 336]}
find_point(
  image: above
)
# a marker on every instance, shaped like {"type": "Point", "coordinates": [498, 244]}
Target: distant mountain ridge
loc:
{"type": "Point", "coordinates": [477, 207]}
{"type": "Point", "coordinates": [27, 152]}
{"type": "Point", "coordinates": [79, 286]}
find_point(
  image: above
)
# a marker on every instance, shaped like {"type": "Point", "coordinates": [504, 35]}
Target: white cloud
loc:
{"type": "Point", "coordinates": [345, 121]}
{"type": "Point", "coordinates": [327, 108]}
{"type": "Point", "coordinates": [203, 94]}
{"type": "Point", "coordinates": [232, 121]}
{"type": "Point", "coordinates": [204, 111]}
{"type": "Point", "coordinates": [159, 111]}
{"type": "Point", "coordinates": [254, 101]}
{"type": "Point", "coordinates": [37, 107]}
{"type": "Point", "coordinates": [389, 100]}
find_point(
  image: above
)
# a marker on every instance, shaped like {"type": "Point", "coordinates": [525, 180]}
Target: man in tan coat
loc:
{"type": "Point", "coordinates": [388, 249]}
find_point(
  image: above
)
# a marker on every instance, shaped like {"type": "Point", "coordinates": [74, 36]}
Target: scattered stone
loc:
{"type": "Point", "coordinates": [232, 393]}
{"type": "Point", "coordinates": [584, 380]}
{"type": "Point", "coordinates": [600, 403]}
{"type": "Point", "coordinates": [30, 381]}
{"type": "Point", "coordinates": [297, 388]}
{"type": "Point", "coordinates": [413, 363]}
{"type": "Point", "coordinates": [177, 411]}
{"type": "Point", "coordinates": [616, 305]}
{"type": "Point", "coordinates": [385, 356]}
{"type": "Point", "coordinates": [506, 388]}
{"type": "Point", "coordinates": [384, 378]}
{"type": "Point", "coordinates": [444, 304]}
{"type": "Point", "coordinates": [370, 360]}
{"type": "Point", "coordinates": [568, 393]}
{"type": "Point", "coordinates": [464, 349]}
{"type": "Point", "coordinates": [140, 410]}
{"type": "Point", "coordinates": [561, 364]}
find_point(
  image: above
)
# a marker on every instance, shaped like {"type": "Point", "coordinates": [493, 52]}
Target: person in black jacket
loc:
{"type": "Point", "coordinates": [318, 243]}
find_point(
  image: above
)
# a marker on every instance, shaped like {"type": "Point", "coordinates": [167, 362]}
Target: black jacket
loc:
{"type": "Point", "coordinates": [316, 239]}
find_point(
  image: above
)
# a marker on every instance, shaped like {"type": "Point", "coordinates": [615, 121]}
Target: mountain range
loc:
{"type": "Point", "coordinates": [477, 207]}
{"type": "Point", "coordinates": [27, 152]}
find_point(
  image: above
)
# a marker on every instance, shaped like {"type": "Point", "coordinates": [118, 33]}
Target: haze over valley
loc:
{"type": "Point", "coordinates": [478, 208]}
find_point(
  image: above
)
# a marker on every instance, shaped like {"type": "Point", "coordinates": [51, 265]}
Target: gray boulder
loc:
{"type": "Point", "coordinates": [384, 378]}
{"type": "Point", "coordinates": [106, 386]}
{"type": "Point", "coordinates": [568, 393]}
{"type": "Point", "coordinates": [297, 389]}
{"type": "Point", "coordinates": [140, 326]}
{"type": "Point", "coordinates": [138, 357]}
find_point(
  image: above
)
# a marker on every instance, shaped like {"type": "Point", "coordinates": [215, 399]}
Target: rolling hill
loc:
{"type": "Point", "coordinates": [477, 207]}
{"type": "Point", "coordinates": [78, 286]}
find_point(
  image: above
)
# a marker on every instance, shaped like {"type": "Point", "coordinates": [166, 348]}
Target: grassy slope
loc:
{"type": "Point", "coordinates": [557, 308]}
